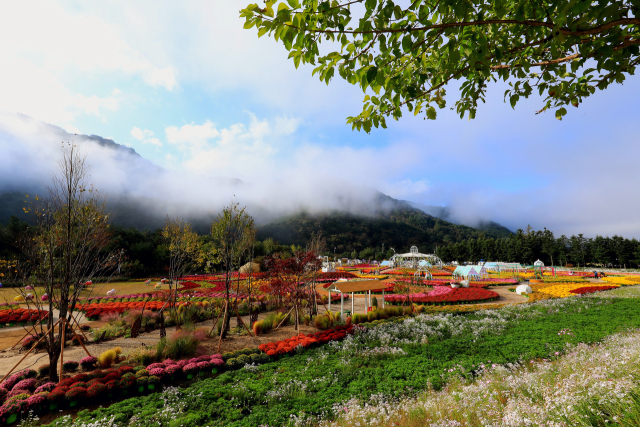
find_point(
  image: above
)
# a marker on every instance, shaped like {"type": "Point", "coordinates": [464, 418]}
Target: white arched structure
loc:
{"type": "Point", "coordinates": [413, 257]}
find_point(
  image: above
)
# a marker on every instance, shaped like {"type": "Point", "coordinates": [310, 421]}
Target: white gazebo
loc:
{"type": "Point", "coordinates": [412, 259]}
{"type": "Point", "coordinates": [352, 286]}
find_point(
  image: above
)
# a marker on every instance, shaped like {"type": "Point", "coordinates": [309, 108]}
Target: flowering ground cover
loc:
{"type": "Point", "coordinates": [390, 361]}
{"type": "Point", "coordinates": [569, 391]}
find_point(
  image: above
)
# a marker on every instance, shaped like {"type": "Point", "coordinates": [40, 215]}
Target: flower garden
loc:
{"type": "Point", "coordinates": [307, 378]}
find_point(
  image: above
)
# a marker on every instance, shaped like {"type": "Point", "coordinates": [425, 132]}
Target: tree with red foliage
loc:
{"type": "Point", "coordinates": [291, 279]}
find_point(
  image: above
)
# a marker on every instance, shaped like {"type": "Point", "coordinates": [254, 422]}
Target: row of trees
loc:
{"type": "Point", "coordinates": [527, 246]}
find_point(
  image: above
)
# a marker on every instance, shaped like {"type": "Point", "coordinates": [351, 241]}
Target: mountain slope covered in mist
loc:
{"type": "Point", "coordinates": [400, 228]}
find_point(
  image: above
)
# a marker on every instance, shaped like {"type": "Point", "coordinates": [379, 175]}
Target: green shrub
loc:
{"type": "Point", "coordinates": [180, 345]}
{"type": "Point", "coordinates": [243, 359]}
{"type": "Point", "coordinates": [381, 314]}
{"type": "Point", "coordinates": [227, 356]}
{"type": "Point", "coordinates": [374, 302]}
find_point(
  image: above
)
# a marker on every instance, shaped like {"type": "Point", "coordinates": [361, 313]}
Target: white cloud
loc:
{"type": "Point", "coordinates": [164, 77]}
{"type": "Point", "coordinates": [48, 48]}
{"type": "Point", "coordinates": [153, 141]}
{"type": "Point", "coordinates": [71, 129]}
{"type": "Point", "coordinates": [191, 136]}
{"type": "Point", "coordinates": [140, 134]}
{"type": "Point", "coordinates": [145, 136]}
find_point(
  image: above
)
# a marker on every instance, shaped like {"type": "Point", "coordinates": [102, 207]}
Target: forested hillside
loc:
{"type": "Point", "coordinates": [527, 246]}
{"type": "Point", "coordinates": [399, 228]}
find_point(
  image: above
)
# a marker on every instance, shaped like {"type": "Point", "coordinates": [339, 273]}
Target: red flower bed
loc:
{"type": "Point", "coordinates": [456, 296]}
{"type": "Point", "coordinates": [97, 309]}
{"type": "Point", "coordinates": [188, 285]}
{"type": "Point", "coordinates": [440, 273]}
{"type": "Point", "coordinates": [336, 275]}
{"type": "Point", "coordinates": [287, 346]}
{"type": "Point", "coordinates": [22, 315]}
{"type": "Point", "coordinates": [218, 286]}
{"type": "Point", "coordinates": [591, 289]}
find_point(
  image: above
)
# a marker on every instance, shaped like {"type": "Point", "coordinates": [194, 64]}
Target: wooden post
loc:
{"type": "Point", "coordinates": [245, 326]}
{"type": "Point", "coordinates": [329, 300]}
{"type": "Point", "coordinates": [28, 352]}
{"type": "Point", "coordinates": [78, 338]}
{"type": "Point", "coordinates": [64, 329]}
{"type": "Point", "coordinates": [24, 336]}
{"type": "Point", "coordinates": [285, 318]}
{"type": "Point", "coordinates": [383, 298]}
{"type": "Point", "coordinates": [78, 325]}
{"type": "Point", "coordinates": [365, 302]}
{"type": "Point", "coordinates": [352, 302]}
{"type": "Point", "coordinates": [215, 322]}
{"type": "Point", "coordinates": [341, 305]}
{"type": "Point", "coordinates": [226, 306]}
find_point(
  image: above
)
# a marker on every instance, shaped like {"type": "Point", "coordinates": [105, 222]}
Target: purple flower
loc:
{"type": "Point", "coordinates": [45, 387]}
{"type": "Point", "coordinates": [28, 384]}
{"type": "Point", "coordinates": [173, 369]}
{"type": "Point", "coordinates": [155, 366]}
{"type": "Point", "coordinates": [157, 372]}
{"type": "Point", "coordinates": [36, 400]}
{"type": "Point", "coordinates": [190, 368]}
{"type": "Point", "coordinates": [217, 362]}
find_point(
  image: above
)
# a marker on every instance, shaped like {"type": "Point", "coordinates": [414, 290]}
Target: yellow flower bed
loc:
{"type": "Point", "coordinates": [565, 279]}
{"type": "Point", "coordinates": [373, 276]}
{"type": "Point", "coordinates": [564, 290]}
{"type": "Point", "coordinates": [627, 280]}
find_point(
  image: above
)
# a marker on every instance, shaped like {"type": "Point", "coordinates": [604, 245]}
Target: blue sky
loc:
{"type": "Point", "coordinates": [190, 90]}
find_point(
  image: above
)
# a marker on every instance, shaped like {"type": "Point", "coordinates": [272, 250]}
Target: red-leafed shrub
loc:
{"type": "Point", "coordinates": [76, 393]}
{"type": "Point", "coordinates": [290, 344]}
{"type": "Point", "coordinates": [112, 376]}
{"type": "Point", "coordinates": [95, 390]}
{"type": "Point", "coordinates": [112, 385]}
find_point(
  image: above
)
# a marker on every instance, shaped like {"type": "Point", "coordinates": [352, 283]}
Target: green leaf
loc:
{"type": "Point", "coordinates": [372, 72]}
{"type": "Point", "coordinates": [294, 4]}
{"type": "Point", "coordinates": [282, 6]}
{"type": "Point", "coordinates": [561, 112]}
{"type": "Point", "coordinates": [407, 42]}
{"type": "Point", "coordinates": [249, 24]}
{"type": "Point", "coordinates": [262, 31]}
{"type": "Point", "coordinates": [431, 113]}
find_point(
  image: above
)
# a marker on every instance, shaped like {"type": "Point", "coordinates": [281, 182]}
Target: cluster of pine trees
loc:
{"type": "Point", "coordinates": [527, 246]}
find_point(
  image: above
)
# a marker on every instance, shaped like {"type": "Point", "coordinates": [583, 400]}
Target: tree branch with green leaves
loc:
{"type": "Point", "coordinates": [403, 57]}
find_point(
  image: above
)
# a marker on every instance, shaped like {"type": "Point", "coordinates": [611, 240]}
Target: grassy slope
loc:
{"type": "Point", "coordinates": [240, 397]}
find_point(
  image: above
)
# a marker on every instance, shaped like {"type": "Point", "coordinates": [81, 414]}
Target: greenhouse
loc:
{"type": "Point", "coordinates": [413, 258]}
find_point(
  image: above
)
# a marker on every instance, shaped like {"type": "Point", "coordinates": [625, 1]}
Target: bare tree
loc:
{"type": "Point", "coordinates": [233, 233]}
{"type": "Point", "coordinates": [318, 245]}
{"type": "Point", "coordinates": [184, 251]}
{"type": "Point", "coordinates": [67, 249]}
